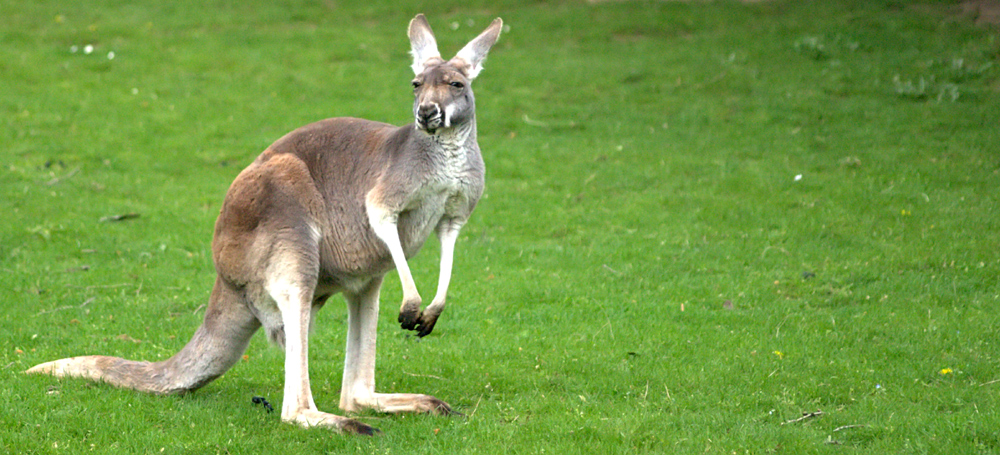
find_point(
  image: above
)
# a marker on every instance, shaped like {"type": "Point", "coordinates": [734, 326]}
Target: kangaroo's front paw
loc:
{"type": "Point", "coordinates": [409, 314]}
{"type": "Point", "coordinates": [426, 323]}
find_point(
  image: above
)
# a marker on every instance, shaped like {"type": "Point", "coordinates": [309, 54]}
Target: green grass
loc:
{"type": "Point", "coordinates": [642, 161]}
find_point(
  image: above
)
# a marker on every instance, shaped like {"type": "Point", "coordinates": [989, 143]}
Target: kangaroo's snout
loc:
{"type": "Point", "coordinates": [429, 117]}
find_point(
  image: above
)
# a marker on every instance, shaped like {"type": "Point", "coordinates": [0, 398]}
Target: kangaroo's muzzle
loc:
{"type": "Point", "coordinates": [430, 117]}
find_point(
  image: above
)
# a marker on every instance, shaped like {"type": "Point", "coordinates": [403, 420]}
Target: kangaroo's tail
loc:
{"type": "Point", "coordinates": [215, 347]}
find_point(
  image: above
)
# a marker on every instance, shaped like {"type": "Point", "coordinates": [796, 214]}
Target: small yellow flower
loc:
{"type": "Point", "coordinates": [946, 371]}
{"type": "Point", "coordinates": [780, 354]}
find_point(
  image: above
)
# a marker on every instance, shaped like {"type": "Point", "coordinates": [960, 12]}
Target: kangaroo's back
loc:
{"type": "Point", "coordinates": [317, 175]}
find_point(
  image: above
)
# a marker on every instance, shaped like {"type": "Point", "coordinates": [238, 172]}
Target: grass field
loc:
{"type": "Point", "coordinates": [702, 220]}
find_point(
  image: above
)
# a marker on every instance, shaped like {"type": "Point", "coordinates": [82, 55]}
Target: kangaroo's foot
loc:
{"type": "Point", "coordinates": [310, 418]}
{"type": "Point", "coordinates": [400, 402]}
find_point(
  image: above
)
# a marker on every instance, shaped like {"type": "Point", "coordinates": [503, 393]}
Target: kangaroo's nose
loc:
{"type": "Point", "coordinates": [429, 117]}
{"type": "Point", "coordinates": [427, 113]}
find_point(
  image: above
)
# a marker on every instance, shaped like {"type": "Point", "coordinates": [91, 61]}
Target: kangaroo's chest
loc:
{"type": "Point", "coordinates": [420, 197]}
{"type": "Point", "coordinates": [446, 194]}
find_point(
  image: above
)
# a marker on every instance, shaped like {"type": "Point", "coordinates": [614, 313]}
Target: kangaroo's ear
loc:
{"type": "Point", "coordinates": [423, 46]}
{"type": "Point", "coordinates": [475, 52]}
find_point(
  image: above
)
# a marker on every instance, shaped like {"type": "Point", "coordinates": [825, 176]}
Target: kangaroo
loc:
{"type": "Point", "coordinates": [330, 208]}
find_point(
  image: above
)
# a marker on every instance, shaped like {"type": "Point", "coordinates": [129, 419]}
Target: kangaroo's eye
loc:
{"type": "Point", "coordinates": [457, 84]}
{"type": "Point", "coordinates": [417, 84]}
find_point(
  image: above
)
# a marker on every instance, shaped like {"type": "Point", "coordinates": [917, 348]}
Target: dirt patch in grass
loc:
{"type": "Point", "coordinates": [981, 12]}
{"type": "Point", "coordinates": [594, 2]}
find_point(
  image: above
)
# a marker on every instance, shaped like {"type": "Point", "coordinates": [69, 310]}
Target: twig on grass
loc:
{"type": "Point", "coordinates": [848, 427]}
{"type": "Point", "coordinates": [989, 383]}
{"type": "Point", "coordinates": [99, 286]}
{"type": "Point", "coordinates": [70, 307]}
{"type": "Point", "coordinates": [777, 331]}
{"type": "Point", "coordinates": [611, 331]}
{"type": "Point", "coordinates": [769, 247]}
{"type": "Point", "coordinates": [606, 267]}
{"type": "Point", "coordinates": [476, 408]}
{"type": "Point", "coordinates": [425, 376]}
{"type": "Point", "coordinates": [56, 180]}
{"type": "Point", "coordinates": [805, 416]}
{"type": "Point", "coordinates": [531, 122]}
{"type": "Point", "coordinates": [126, 337]}
{"type": "Point", "coordinates": [122, 217]}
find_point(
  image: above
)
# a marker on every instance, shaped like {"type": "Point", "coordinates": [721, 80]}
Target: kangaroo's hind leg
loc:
{"type": "Point", "coordinates": [358, 389]}
{"type": "Point", "coordinates": [291, 284]}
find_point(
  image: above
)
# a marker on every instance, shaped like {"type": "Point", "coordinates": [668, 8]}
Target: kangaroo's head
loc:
{"type": "Point", "coordinates": [442, 94]}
